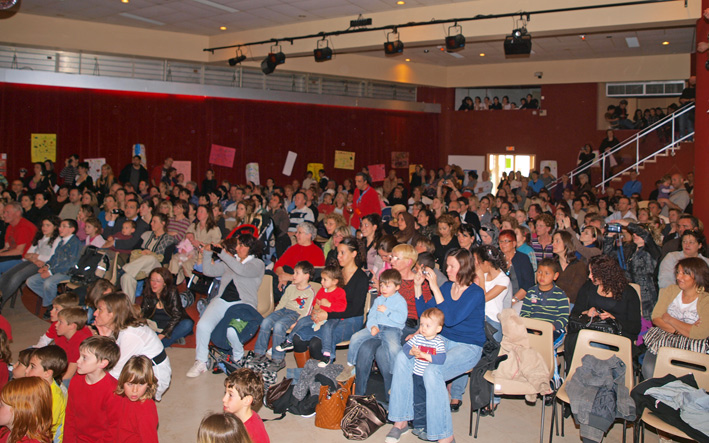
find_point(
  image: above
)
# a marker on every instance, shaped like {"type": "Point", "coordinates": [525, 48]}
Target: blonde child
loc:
{"type": "Point", "coordinates": [49, 363]}
{"type": "Point", "coordinates": [222, 428]}
{"type": "Point", "coordinates": [244, 388]}
{"type": "Point", "coordinates": [26, 411]}
{"type": "Point", "coordinates": [330, 298]}
{"type": "Point", "coordinates": [92, 408]}
{"type": "Point", "coordinates": [138, 418]}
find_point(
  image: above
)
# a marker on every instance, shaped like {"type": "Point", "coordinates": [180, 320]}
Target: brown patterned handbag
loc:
{"type": "Point", "coordinates": [331, 407]}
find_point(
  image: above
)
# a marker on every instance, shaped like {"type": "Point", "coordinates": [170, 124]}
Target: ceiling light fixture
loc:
{"type": "Point", "coordinates": [238, 59]}
{"type": "Point", "coordinates": [665, 43]}
{"type": "Point", "coordinates": [125, 1]}
{"type": "Point", "coordinates": [401, 2]}
{"type": "Point", "coordinates": [222, 28]}
{"type": "Point", "coordinates": [275, 57]}
{"type": "Point", "coordinates": [482, 54]}
{"type": "Point", "coordinates": [217, 5]}
{"type": "Point", "coordinates": [455, 42]}
{"type": "Point", "coordinates": [323, 52]}
{"type": "Point", "coordinates": [393, 47]}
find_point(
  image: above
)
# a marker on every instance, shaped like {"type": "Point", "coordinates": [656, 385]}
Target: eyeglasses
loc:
{"type": "Point", "coordinates": [395, 258]}
{"type": "Point", "coordinates": [506, 241]}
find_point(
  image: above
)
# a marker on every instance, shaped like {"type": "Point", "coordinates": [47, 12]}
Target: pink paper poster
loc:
{"type": "Point", "coordinates": [377, 172]}
{"type": "Point", "coordinates": [222, 156]}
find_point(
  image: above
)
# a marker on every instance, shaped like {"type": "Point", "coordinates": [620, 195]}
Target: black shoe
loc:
{"type": "Point", "coordinates": [455, 407]}
{"type": "Point", "coordinates": [484, 412]}
{"type": "Point", "coordinates": [47, 313]}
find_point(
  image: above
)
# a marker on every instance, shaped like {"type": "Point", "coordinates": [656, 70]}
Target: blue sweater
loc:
{"type": "Point", "coordinates": [394, 315]}
{"type": "Point", "coordinates": [465, 317]}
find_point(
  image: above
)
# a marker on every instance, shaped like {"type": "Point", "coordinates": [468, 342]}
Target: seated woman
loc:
{"type": "Point", "coordinates": [351, 258]}
{"type": "Point", "coordinates": [332, 221]}
{"type": "Point", "coordinates": [162, 305]}
{"type": "Point", "coordinates": [446, 239]}
{"type": "Point", "coordinates": [371, 229]}
{"type": "Point", "coordinates": [466, 236]}
{"type": "Point", "coordinates": [463, 303]}
{"type": "Point", "coordinates": [241, 271]}
{"type": "Point", "coordinates": [681, 309]}
{"type": "Point", "coordinates": [574, 272]}
{"type": "Point", "coordinates": [490, 268]}
{"type": "Point", "coordinates": [149, 256]}
{"type": "Point", "coordinates": [340, 233]}
{"type": "Point", "coordinates": [606, 294]}
{"type": "Point", "coordinates": [407, 229]}
{"type": "Point", "coordinates": [519, 268]}
{"type": "Point", "coordinates": [115, 317]}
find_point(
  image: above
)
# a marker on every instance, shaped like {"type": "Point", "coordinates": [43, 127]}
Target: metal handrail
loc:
{"type": "Point", "coordinates": [633, 139]}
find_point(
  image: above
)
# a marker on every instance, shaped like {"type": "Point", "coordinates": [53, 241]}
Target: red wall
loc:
{"type": "Point", "coordinates": [94, 123]}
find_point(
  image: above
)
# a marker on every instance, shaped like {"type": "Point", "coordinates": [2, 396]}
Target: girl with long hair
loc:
{"type": "Point", "coordinates": [26, 411]}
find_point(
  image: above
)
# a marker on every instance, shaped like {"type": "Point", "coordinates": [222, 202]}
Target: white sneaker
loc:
{"type": "Point", "coordinates": [197, 369]}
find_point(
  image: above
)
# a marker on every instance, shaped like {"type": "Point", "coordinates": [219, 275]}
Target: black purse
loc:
{"type": "Point", "coordinates": [596, 323]}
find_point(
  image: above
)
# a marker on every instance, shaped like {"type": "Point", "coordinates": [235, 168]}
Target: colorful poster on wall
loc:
{"type": "Point", "coordinates": [44, 147]}
{"type": "Point", "coordinates": [95, 167]}
{"type": "Point", "coordinates": [315, 169]}
{"type": "Point", "coordinates": [344, 160]}
{"type": "Point", "coordinates": [183, 167]}
{"type": "Point", "coordinates": [412, 169]}
{"type": "Point", "coordinates": [139, 149]}
{"type": "Point", "coordinates": [399, 159]}
{"type": "Point", "coordinates": [252, 173]}
{"type": "Point", "coordinates": [377, 172]}
{"type": "Point", "coordinates": [222, 156]}
{"type": "Point", "coordinates": [290, 162]}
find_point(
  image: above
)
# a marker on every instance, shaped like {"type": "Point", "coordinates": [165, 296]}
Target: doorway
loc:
{"type": "Point", "coordinates": [499, 163]}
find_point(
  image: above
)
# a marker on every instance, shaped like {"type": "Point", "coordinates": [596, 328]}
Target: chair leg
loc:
{"type": "Point", "coordinates": [625, 427]}
{"type": "Point", "coordinates": [553, 420]}
{"type": "Point", "coordinates": [477, 423]}
{"type": "Point", "coordinates": [563, 411]}
{"type": "Point", "coordinates": [470, 426]}
{"type": "Point", "coordinates": [541, 427]}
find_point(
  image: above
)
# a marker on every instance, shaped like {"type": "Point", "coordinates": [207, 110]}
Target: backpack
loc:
{"type": "Point", "coordinates": [91, 266]}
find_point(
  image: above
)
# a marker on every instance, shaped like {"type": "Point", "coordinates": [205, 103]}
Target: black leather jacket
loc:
{"type": "Point", "coordinates": [172, 304]}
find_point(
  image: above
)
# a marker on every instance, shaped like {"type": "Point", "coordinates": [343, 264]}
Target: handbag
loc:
{"type": "Point", "coordinates": [363, 417]}
{"type": "Point", "coordinates": [595, 323]}
{"type": "Point", "coordinates": [657, 338]}
{"type": "Point", "coordinates": [331, 407]}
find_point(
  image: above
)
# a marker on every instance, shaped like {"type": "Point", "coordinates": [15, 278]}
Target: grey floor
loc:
{"type": "Point", "coordinates": [188, 400]}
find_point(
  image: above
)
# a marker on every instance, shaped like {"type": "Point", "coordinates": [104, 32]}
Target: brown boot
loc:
{"type": "Point", "coordinates": [301, 358]}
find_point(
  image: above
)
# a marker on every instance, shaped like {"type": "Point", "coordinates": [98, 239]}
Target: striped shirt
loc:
{"type": "Point", "coordinates": [551, 306]}
{"type": "Point", "coordinates": [435, 347]}
{"type": "Point", "coordinates": [297, 216]}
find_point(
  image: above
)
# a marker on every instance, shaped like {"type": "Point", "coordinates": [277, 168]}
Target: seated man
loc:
{"type": "Point", "coordinates": [303, 249]}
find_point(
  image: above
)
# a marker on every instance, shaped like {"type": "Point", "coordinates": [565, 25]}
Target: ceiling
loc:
{"type": "Point", "coordinates": [205, 17]}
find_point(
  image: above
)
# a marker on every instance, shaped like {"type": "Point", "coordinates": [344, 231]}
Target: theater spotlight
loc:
{"type": "Point", "coordinates": [275, 57]}
{"type": "Point", "coordinates": [323, 52]}
{"type": "Point", "coordinates": [519, 43]}
{"type": "Point", "coordinates": [238, 59]}
{"type": "Point", "coordinates": [393, 47]}
{"type": "Point", "coordinates": [455, 42]}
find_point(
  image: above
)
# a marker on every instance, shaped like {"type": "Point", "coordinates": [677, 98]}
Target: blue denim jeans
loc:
{"type": "Point", "coordinates": [9, 264]}
{"type": "Point", "coordinates": [46, 288]}
{"type": "Point", "coordinates": [279, 321]}
{"type": "Point", "coordinates": [389, 337]}
{"type": "Point", "coordinates": [183, 329]}
{"type": "Point", "coordinates": [337, 330]}
{"type": "Point", "coordinates": [419, 403]}
{"type": "Point", "coordinates": [460, 358]}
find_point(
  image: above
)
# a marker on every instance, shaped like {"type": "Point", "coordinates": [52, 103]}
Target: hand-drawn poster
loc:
{"type": "Point", "coordinates": [95, 167]}
{"type": "Point", "coordinates": [252, 173]}
{"type": "Point", "coordinates": [399, 159]}
{"type": "Point", "coordinates": [315, 169]}
{"type": "Point", "coordinates": [44, 147]}
{"type": "Point", "coordinates": [183, 167]}
{"type": "Point", "coordinates": [377, 172]}
{"type": "Point", "coordinates": [139, 149]}
{"type": "Point", "coordinates": [344, 160]}
{"type": "Point", "coordinates": [222, 156]}
{"type": "Point", "coordinates": [290, 162]}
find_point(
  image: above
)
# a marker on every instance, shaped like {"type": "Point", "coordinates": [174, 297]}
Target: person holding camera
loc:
{"type": "Point", "coordinates": [68, 172]}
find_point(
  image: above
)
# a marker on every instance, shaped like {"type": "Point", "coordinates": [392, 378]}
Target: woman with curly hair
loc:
{"type": "Point", "coordinates": [606, 294]}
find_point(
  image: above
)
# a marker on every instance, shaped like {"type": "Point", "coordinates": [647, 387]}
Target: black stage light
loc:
{"type": "Point", "coordinates": [519, 43]}
{"type": "Point", "coordinates": [455, 42]}
{"type": "Point", "coordinates": [322, 53]}
{"type": "Point", "coordinates": [268, 65]}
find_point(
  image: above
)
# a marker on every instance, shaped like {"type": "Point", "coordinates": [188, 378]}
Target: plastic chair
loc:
{"type": "Point", "coordinates": [667, 363]}
{"type": "Point", "coordinates": [583, 347]}
{"type": "Point", "coordinates": [367, 305]}
{"type": "Point", "coordinates": [637, 290]}
{"type": "Point", "coordinates": [541, 338]}
{"type": "Point", "coordinates": [265, 296]}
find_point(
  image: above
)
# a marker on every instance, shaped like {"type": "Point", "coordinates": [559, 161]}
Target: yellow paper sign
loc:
{"type": "Point", "coordinates": [344, 159]}
{"type": "Point", "coordinates": [44, 147]}
{"type": "Point", "coordinates": [315, 169]}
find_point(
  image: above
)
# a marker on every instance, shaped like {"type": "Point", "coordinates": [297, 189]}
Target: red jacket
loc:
{"type": "Point", "coordinates": [364, 203]}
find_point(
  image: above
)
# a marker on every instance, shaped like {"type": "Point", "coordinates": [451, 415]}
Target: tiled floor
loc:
{"type": "Point", "coordinates": [188, 400]}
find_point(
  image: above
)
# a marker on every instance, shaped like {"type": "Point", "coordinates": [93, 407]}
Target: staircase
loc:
{"type": "Point", "coordinates": [649, 145]}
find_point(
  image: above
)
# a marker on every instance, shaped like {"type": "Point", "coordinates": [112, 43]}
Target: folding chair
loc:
{"type": "Point", "coordinates": [583, 347]}
{"type": "Point", "coordinates": [676, 362]}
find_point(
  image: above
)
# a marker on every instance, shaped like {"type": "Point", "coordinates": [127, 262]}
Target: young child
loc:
{"type": "Point", "coordinates": [19, 369]}
{"type": "Point", "coordinates": [92, 409]}
{"type": "Point", "coordinates": [294, 305]}
{"type": "Point", "coordinates": [330, 298]}
{"type": "Point", "coordinates": [138, 418]}
{"type": "Point", "coordinates": [49, 363]}
{"type": "Point", "coordinates": [26, 411]}
{"type": "Point", "coordinates": [223, 427]}
{"type": "Point", "coordinates": [93, 230]}
{"type": "Point", "coordinates": [385, 320]}
{"type": "Point", "coordinates": [61, 301]}
{"type": "Point", "coordinates": [426, 347]}
{"type": "Point", "coordinates": [71, 330]}
{"type": "Point", "coordinates": [665, 189]}
{"type": "Point", "coordinates": [546, 301]}
{"type": "Point", "coordinates": [127, 231]}
{"type": "Point", "coordinates": [244, 388]}
{"type": "Point", "coordinates": [5, 359]}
